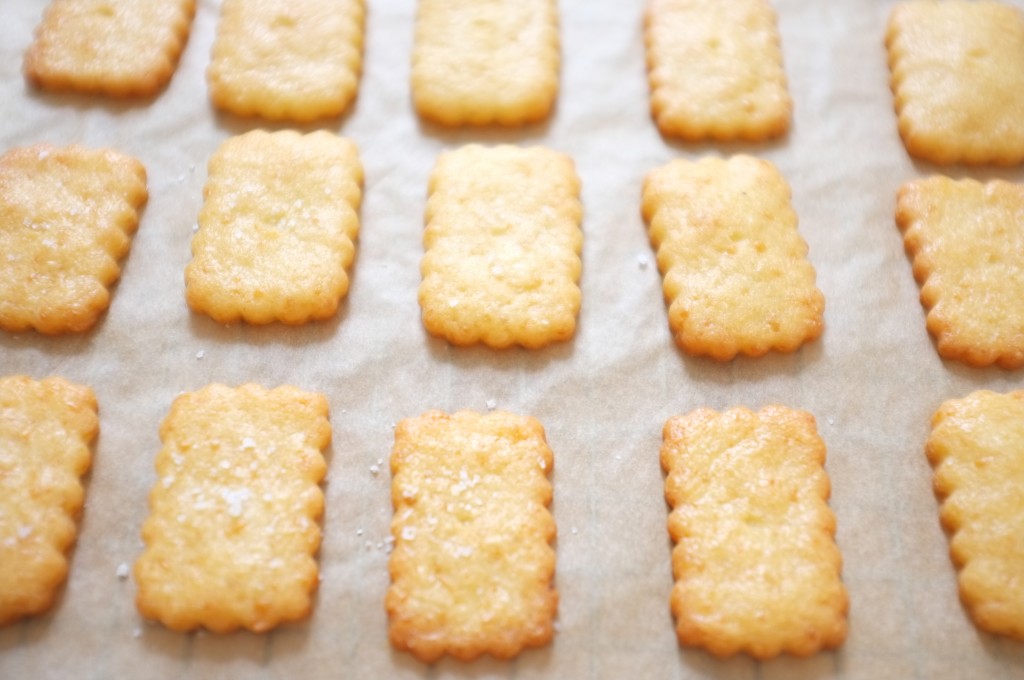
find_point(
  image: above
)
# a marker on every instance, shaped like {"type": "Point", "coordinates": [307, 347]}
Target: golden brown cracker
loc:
{"type": "Point", "coordinates": [111, 47]}
{"type": "Point", "coordinates": [277, 229]}
{"type": "Point", "coordinates": [66, 218]}
{"type": "Point", "coordinates": [232, 534]}
{"type": "Point", "coordinates": [957, 74]}
{"type": "Point", "coordinates": [46, 428]}
{"type": "Point", "coordinates": [736, 275]}
{"type": "Point", "coordinates": [715, 70]}
{"type": "Point", "coordinates": [472, 568]}
{"type": "Point", "coordinates": [963, 237]}
{"type": "Point", "coordinates": [484, 62]}
{"type": "Point", "coordinates": [294, 60]}
{"type": "Point", "coordinates": [502, 247]}
{"type": "Point", "coordinates": [756, 566]}
{"type": "Point", "coordinates": [977, 449]}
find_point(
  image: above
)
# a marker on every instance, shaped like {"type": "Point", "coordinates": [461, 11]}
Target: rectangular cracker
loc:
{"type": "Point", "coordinates": [66, 218]}
{"type": "Point", "coordinates": [111, 47]}
{"type": "Point", "coordinates": [502, 247]}
{"type": "Point", "coordinates": [46, 428]}
{"type": "Point", "coordinates": [958, 80]}
{"type": "Point", "coordinates": [472, 567]}
{"type": "Point", "coordinates": [485, 62]}
{"type": "Point", "coordinates": [964, 238]}
{"type": "Point", "coordinates": [977, 449]}
{"type": "Point", "coordinates": [736, 274]}
{"type": "Point", "coordinates": [296, 60]}
{"type": "Point", "coordinates": [277, 229]}
{"type": "Point", "coordinates": [232, 534]}
{"type": "Point", "coordinates": [755, 561]}
{"type": "Point", "coordinates": [715, 70]}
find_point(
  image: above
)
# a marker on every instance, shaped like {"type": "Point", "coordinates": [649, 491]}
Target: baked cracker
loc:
{"type": "Point", "coordinates": [117, 48]}
{"type": "Point", "coordinates": [66, 218]}
{"type": "Point", "coordinates": [963, 237]}
{"type": "Point", "coordinates": [502, 247]}
{"type": "Point", "coordinates": [715, 70]}
{"type": "Point", "coordinates": [736, 274]}
{"type": "Point", "coordinates": [296, 60]}
{"type": "Point", "coordinates": [472, 567]}
{"type": "Point", "coordinates": [232, 534]}
{"type": "Point", "coordinates": [485, 62]}
{"type": "Point", "coordinates": [977, 449]}
{"type": "Point", "coordinates": [277, 229]}
{"type": "Point", "coordinates": [46, 428]}
{"type": "Point", "coordinates": [755, 562]}
{"type": "Point", "coordinates": [957, 74]}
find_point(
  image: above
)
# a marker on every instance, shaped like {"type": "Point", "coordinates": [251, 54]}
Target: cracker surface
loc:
{"type": "Point", "coordinates": [735, 270]}
{"type": "Point", "coordinates": [502, 247]}
{"type": "Point", "coordinates": [977, 449]}
{"type": "Point", "coordinates": [232, 533]}
{"type": "Point", "coordinates": [755, 562]}
{"type": "Point", "coordinates": [472, 568]}
{"type": "Point", "coordinates": [485, 62]}
{"type": "Point", "coordinates": [957, 75]}
{"type": "Point", "coordinates": [964, 238]}
{"type": "Point", "coordinates": [715, 70]}
{"type": "Point", "coordinates": [294, 60]}
{"type": "Point", "coordinates": [46, 428]}
{"type": "Point", "coordinates": [277, 228]}
{"type": "Point", "coordinates": [66, 217]}
{"type": "Point", "coordinates": [120, 48]}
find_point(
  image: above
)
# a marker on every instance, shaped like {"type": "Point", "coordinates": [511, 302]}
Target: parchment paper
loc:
{"type": "Point", "coordinates": [873, 380]}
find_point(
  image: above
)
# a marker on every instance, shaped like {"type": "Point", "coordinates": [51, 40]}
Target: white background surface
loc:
{"type": "Point", "coordinates": [873, 380]}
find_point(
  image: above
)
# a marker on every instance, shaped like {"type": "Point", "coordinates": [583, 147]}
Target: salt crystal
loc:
{"type": "Point", "coordinates": [235, 498]}
{"type": "Point", "coordinates": [122, 571]}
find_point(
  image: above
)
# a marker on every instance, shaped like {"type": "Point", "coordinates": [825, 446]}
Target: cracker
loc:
{"type": "Point", "coordinates": [485, 62]}
{"type": "Point", "coordinates": [109, 47]}
{"type": "Point", "coordinates": [45, 431]}
{"type": "Point", "coordinates": [277, 229]}
{"type": "Point", "coordinates": [293, 60]}
{"type": "Point", "coordinates": [963, 237]}
{"type": "Point", "coordinates": [736, 275]}
{"type": "Point", "coordinates": [755, 561]}
{"type": "Point", "coordinates": [957, 74]}
{"type": "Point", "coordinates": [715, 70]}
{"type": "Point", "coordinates": [977, 449]}
{"type": "Point", "coordinates": [232, 534]}
{"type": "Point", "coordinates": [503, 244]}
{"type": "Point", "coordinates": [66, 218]}
{"type": "Point", "coordinates": [472, 567]}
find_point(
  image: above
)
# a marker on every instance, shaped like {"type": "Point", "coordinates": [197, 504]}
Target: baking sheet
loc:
{"type": "Point", "coordinates": [873, 380]}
